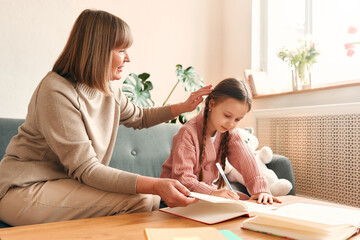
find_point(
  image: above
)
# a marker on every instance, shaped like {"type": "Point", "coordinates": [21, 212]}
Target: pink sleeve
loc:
{"type": "Point", "coordinates": [185, 163]}
{"type": "Point", "coordinates": [242, 159]}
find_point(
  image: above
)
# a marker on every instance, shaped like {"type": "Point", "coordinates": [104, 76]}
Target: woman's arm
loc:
{"type": "Point", "coordinates": [137, 117]}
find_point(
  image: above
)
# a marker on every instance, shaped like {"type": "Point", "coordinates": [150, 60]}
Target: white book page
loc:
{"type": "Point", "coordinates": [213, 199]}
{"type": "Point", "coordinates": [299, 233]}
{"type": "Point", "coordinates": [246, 205]}
{"type": "Point", "coordinates": [310, 214]}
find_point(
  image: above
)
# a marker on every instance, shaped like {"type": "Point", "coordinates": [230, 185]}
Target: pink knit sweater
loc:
{"type": "Point", "coordinates": [183, 162]}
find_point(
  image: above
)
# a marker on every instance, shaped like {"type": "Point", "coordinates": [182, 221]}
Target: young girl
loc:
{"type": "Point", "coordinates": [209, 138]}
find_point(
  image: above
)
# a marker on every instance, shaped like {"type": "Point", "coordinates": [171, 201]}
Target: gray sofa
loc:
{"type": "Point", "coordinates": [142, 151]}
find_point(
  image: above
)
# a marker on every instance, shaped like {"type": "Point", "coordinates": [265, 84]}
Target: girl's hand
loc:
{"type": "Point", "coordinates": [225, 193]}
{"type": "Point", "coordinates": [265, 198]}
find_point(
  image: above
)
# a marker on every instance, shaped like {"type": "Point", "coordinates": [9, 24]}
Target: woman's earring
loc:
{"type": "Point", "coordinates": [210, 110]}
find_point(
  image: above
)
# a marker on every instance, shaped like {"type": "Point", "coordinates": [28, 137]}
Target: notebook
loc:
{"type": "Point", "coordinates": [197, 233]}
{"type": "Point", "coordinates": [211, 209]}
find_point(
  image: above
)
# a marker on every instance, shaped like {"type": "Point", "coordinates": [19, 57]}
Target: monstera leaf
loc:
{"type": "Point", "coordinates": [137, 88]}
{"type": "Point", "coordinates": [191, 81]}
{"type": "Point", "coordinates": [189, 78]}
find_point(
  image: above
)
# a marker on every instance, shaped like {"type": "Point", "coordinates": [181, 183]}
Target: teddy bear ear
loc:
{"type": "Point", "coordinates": [250, 130]}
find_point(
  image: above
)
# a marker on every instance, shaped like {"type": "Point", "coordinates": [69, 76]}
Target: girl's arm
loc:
{"type": "Point", "coordinates": [243, 161]}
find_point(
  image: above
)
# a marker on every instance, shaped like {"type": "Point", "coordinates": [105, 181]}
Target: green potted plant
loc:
{"type": "Point", "coordinates": [137, 88]}
{"type": "Point", "coordinates": [191, 82]}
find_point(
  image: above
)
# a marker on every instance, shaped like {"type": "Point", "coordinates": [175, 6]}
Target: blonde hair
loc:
{"type": "Point", "coordinates": [86, 57]}
{"type": "Point", "coordinates": [227, 88]}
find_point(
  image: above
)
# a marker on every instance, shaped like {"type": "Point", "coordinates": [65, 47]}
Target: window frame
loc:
{"type": "Point", "coordinates": [259, 49]}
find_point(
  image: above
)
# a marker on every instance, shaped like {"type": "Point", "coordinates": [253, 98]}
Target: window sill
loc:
{"type": "Point", "coordinates": [342, 84]}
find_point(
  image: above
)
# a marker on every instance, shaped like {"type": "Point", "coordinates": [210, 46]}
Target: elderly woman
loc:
{"type": "Point", "coordinates": [56, 167]}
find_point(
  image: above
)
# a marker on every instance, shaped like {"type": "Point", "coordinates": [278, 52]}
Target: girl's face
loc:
{"type": "Point", "coordinates": [225, 115]}
{"type": "Point", "coordinates": [119, 57]}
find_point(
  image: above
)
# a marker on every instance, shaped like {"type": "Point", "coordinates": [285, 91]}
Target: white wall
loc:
{"type": "Point", "coordinates": [213, 36]}
{"type": "Point", "coordinates": [166, 33]}
{"type": "Point", "coordinates": [236, 54]}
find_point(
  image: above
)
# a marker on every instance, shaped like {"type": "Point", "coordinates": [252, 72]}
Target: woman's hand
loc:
{"type": "Point", "coordinates": [171, 191]}
{"type": "Point", "coordinates": [265, 198]}
{"type": "Point", "coordinates": [225, 193]}
{"type": "Point", "coordinates": [193, 100]}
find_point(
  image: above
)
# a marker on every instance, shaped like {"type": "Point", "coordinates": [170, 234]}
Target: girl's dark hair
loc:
{"type": "Point", "coordinates": [227, 88]}
{"type": "Point", "coordinates": [86, 57]}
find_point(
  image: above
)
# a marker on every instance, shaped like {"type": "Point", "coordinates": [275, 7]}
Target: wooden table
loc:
{"type": "Point", "coordinates": [131, 226]}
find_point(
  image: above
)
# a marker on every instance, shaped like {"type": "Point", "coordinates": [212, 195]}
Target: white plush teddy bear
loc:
{"type": "Point", "coordinates": [278, 187]}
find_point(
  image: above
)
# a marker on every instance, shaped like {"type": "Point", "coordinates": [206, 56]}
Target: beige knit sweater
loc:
{"type": "Point", "coordinates": [70, 132]}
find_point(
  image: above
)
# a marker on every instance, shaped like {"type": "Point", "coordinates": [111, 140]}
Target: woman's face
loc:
{"type": "Point", "coordinates": [119, 57]}
{"type": "Point", "coordinates": [225, 115]}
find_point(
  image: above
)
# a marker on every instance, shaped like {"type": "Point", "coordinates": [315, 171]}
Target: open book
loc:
{"type": "Point", "coordinates": [211, 210]}
{"type": "Point", "coordinates": [306, 221]}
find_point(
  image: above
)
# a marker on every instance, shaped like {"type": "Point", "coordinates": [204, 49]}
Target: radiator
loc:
{"type": "Point", "coordinates": [323, 145]}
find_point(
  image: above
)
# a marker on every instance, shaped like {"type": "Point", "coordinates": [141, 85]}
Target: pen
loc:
{"type": "Point", "coordinates": [224, 177]}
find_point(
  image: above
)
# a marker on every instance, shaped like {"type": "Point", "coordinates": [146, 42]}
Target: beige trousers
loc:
{"type": "Point", "coordinates": [67, 199]}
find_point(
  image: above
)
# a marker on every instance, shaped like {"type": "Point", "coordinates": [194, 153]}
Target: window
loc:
{"type": "Point", "coordinates": [281, 23]}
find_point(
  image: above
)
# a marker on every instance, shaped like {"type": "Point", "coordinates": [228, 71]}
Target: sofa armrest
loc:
{"type": "Point", "coordinates": [4, 225]}
{"type": "Point", "coordinates": [282, 167]}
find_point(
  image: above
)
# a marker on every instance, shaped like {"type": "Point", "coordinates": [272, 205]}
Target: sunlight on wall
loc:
{"type": "Point", "coordinates": [189, 32]}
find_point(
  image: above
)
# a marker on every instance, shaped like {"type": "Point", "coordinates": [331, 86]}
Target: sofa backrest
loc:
{"type": "Point", "coordinates": [143, 151]}
{"type": "Point", "coordinates": [140, 151]}
{"type": "Point", "coordinates": [8, 129]}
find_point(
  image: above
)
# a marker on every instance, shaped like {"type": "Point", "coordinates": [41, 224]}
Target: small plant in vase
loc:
{"type": "Point", "coordinates": [300, 60]}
